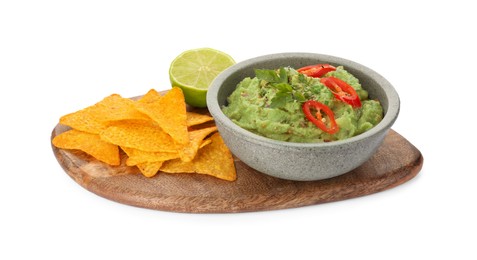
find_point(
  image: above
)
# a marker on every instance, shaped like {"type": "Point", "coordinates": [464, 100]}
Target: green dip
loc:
{"type": "Point", "coordinates": [270, 105]}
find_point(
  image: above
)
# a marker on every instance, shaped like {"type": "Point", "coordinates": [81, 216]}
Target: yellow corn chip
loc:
{"type": "Point", "coordinates": [197, 119]}
{"type": "Point", "coordinates": [142, 135]}
{"type": "Point", "coordinates": [169, 112]}
{"type": "Point", "coordinates": [94, 119]}
{"type": "Point", "coordinates": [150, 97]}
{"type": "Point", "coordinates": [115, 108]}
{"type": "Point", "coordinates": [83, 121]}
{"type": "Point", "coordinates": [205, 142]}
{"type": "Point", "coordinates": [156, 133]}
{"type": "Point", "coordinates": [136, 156]}
{"type": "Point", "coordinates": [196, 137]}
{"type": "Point", "coordinates": [90, 144]}
{"type": "Point", "coordinates": [149, 169]}
{"type": "Point", "coordinates": [178, 166]}
{"type": "Point", "coordinates": [193, 118]}
{"type": "Point", "coordinates": [214, 159]}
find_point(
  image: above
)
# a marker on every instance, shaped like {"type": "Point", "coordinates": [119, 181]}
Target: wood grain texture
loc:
{"type": "Point", "coordinates": [395, 162]}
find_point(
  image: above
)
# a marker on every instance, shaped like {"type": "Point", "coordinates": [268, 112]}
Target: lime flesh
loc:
{"type": "Point", "coordinates": [194, 70]}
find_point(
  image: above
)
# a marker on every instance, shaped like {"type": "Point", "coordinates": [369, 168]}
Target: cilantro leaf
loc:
{"type": "Point", "coordinates": [285, 92]}
{"type": "Point", "coordinates": [268, 75]}
{"type": "Point", "coordinates": [283, 75]}
{"type": "Point", "coordinates": [283, 87]}
{"type": "Point", "coordinates": [299, 96]}
{"type": "Point", "coordinates": [301, 78]}
{"type": "Point", "coordinates": [280, 99]}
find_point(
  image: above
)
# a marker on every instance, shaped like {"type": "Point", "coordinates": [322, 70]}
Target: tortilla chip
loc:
{"type": "Point", "coordinates": [156, 133]}
{"type": "Point", "coordinates": [150, 97]}
{"type": "Point", "coordinates": [177, 166]}
{"type": "Point", "coordinates": [90, 144]}
{"type": "Point", "coordinates": [205, 142]}
{"type": "Point", "coordinates": [193, 118]}
{"type": "Point", "coordinates": [149, 169]}
{"type": "Point", "coordinates": [197, 119]}
{"type": "Point", "coordinates": [96, 118]}
{"type": "Point", "coordinates": [142, 135]}
{"type": "Point", "coordinates": [136, 156]}
{"type": "Point", "coordinates": [83, 121]}
{"type": "Point", "coordinates": [214, 159]}
{"type": "Point", "coordinates": [196, 137]}
{"type": "Point", "coordinates": [169, 112]}
{"type": "Point", "coordinates": [115, 108]}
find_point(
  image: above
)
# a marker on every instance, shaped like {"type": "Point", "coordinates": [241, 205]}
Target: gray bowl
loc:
{"type": "Point", "coordinates": [301, 161]}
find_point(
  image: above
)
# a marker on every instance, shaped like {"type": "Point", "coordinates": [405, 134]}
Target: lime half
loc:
{"type": "Point", "coordinates": [194, 70]}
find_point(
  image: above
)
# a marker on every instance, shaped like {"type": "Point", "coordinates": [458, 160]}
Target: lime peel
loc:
{"type": "Point", "coordinates": [194, 70]}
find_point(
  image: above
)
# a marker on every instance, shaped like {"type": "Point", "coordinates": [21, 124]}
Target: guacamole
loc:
{"type": "Point", "coordinates": [270, 104]}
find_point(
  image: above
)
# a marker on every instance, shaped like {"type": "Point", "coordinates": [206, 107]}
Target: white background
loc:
{"type": "Point", "coordinates": [59, 56]}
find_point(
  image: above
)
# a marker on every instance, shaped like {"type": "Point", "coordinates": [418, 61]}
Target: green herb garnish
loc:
{"type": "Point", "coordinates": [279, 80]}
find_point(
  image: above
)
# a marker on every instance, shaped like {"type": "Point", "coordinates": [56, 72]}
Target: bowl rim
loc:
{"type": "Point", "coordinates": [385, 124]}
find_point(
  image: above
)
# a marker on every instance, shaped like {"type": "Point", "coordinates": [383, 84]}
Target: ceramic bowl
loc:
{"type": "Point", "coordinates": [301, 161]}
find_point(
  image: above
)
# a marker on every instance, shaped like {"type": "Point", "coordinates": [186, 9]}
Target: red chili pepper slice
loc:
{"type": "Point", "coordinates": [317, 70]}
{"type": "Point", "coordinates": [342, 91]}
{"type": "Point", "coordinates": [319, 120]}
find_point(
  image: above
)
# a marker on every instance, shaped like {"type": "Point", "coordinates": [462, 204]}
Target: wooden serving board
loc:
{"type": "Point", "coordinates": [395, 162]}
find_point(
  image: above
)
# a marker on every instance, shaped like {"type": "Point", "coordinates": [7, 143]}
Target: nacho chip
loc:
{"type": "Point", "coordinates": [127, 150]}
{"type": "Point", "coordinates": [189, 151]}
{"type": "Point", "coordinates": [150, 97]}
{"type": "Point", "coordinates": [177, 166]}
{"type": "Point", "coordinates": [205, 142]}
{"type": "Point", "coordinates": [156, 133]}
{"type": "Point", "coordinates": [83, 121]}
{"type": "Point", "coordinates": [136, 156]}
{"type": "Point", "coordinates": [214, 159]}
{"type": "Point", "coordinates": [142, 135]}
{"type": "Point", "coordinates": [169, 112]}
{"type": "Point", "coordinates": [197, 119]}
{"type": "Point", "coordinates": [193, 118]}
{"type": "Point", "coordinates": [149, 169]}
{"type": "Point", "coordinates": [115, 108]}
{"type": "Point", "coordinates": [90, 144]}
{"type": "Point", "coordinates": [96, 118]}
